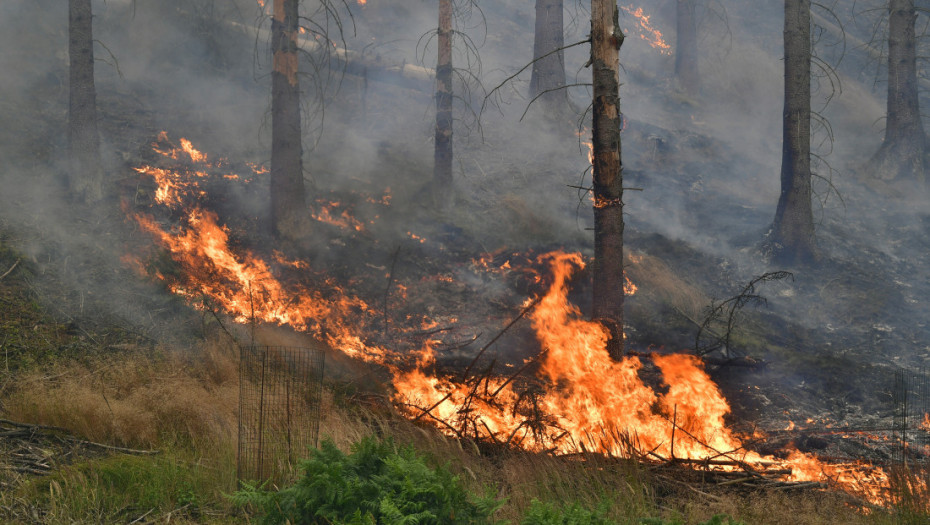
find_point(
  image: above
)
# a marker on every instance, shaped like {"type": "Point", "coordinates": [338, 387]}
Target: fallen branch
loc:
{"type": "Point", "coordinates": [8, 272]}
{"type": "Point", "coordinates": [523, 312]}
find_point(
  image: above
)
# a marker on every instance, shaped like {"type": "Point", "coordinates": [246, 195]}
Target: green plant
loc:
{"type": "Point", "coordinates": [122, 487]}
{"type": "Point", "coordinates": [376, 483]}
{"type": "Point", "coordinates": [541, 513]}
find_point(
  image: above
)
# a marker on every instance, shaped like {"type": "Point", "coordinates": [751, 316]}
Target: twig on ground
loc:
{"type": "Point", "coordinates": [8, 272]}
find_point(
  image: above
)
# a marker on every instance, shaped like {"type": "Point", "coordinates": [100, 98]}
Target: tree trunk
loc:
{"type": "Point", "coordinates": [548, 79]}
{"type": "Point", "coordinates": [793, 229]}
{"type": "Point", "coordinates": [686, 54]}
{"type": "Point", "coordinates": [606, 40]}
{"type": "Point", "coordinates": [86, 176]}
{"type": "Point", "coordinates": [902, 152]}
{"type": "Point", "coordinates": [290, 216]}
{"type": "Point", "coordinates": [442, 167]}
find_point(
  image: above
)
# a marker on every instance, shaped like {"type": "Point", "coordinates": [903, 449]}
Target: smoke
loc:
{"type": "Point", "coordinates": [708, 166]}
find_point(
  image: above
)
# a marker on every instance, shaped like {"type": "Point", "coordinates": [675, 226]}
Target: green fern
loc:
{"type": "Point", "coordinates": [377, 484]}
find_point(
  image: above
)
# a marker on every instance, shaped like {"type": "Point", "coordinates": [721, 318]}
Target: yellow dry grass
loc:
{"type": "Point", "coordinates": [134, 399]}
{"type": "Point", "coordinates": [170, 398]}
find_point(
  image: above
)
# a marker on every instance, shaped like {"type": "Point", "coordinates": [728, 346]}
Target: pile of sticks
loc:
{"type": "Point", "coordinates": [37, 450]}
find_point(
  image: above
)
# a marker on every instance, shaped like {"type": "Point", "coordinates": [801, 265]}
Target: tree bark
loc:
{"type": "Point", "coordinates": [548, 78]}
{"type": "Point", "coordinates": [902, 154]}
{"type": "Point", "coordinates": [793, 229]}
{"type": "Point", "coordinates": [606, 39]}
{"type": "Point", "coordinates": [290, 217]}
{"type": "Point", "coordinates": [86, 176]}
{"type": "Point", "coordinates": [442, 167]}
{"type": "Point", "coordinates": [686, 54]}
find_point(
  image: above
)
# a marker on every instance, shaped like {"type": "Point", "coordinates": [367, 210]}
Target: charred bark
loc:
{"type": "Point", "coordinates": [290, 218]}
{"type": "Point", "coordinates": [606, 39]}
{"type": "Point", "coordinates": [442, 167]}
{"type": "Point", "coordinates": [686, 54]}
{"type": "Point", "coordinates": [792, 235]}
{"type": "Point", "coordinates": [902, 154]}
{"type": "Point", "coordinates": [548, 78]}
{"type": "Point", "coordinates": [85, 176]}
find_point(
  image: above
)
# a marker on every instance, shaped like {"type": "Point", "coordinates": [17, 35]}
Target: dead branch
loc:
{"type": "Point", "coordinates": [523, 312]}
{"type": "Point", "coordinates": [11, 269]}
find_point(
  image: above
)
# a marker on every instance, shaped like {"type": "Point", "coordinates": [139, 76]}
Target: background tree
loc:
{"type": "Point", "coordinates": [902, 154]}
{"type": "Point", "coordinates": [442, 167]}
{"type": "Point", "coordinates": [606, 39]}
{"type": "Point", "coordinates": [547, 81]}
{"type": "Point", "coordinates": [792, 234]}
{"type": "Point", "coordinates": [686, 52]}
{"type": "Point", "coordinates": [290, 217]}
{"type": "Point", "coordinates": [85, 175]}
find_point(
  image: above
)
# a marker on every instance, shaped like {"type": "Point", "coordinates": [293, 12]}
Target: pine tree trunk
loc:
{"type": "Point", "coordinates": [902, 153]}
{"type": "Point", "coordinates": [289, 213]}
{"type": "Point", "coordinates": [606, 40]}
{"type": "Point", "coordinates": [442, 167]}
{"type": "Point", "coordinates": [686, 53]}
{"type": "Point", "coordinates": [86, 176]}
{"type": "Point", "coordinates": [548, 79]}
{"type": "Point", "coordinates": [793, 229]}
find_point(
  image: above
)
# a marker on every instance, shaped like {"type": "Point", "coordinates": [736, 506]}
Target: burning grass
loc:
{"type": "Point", "coordinates": [575, 399]}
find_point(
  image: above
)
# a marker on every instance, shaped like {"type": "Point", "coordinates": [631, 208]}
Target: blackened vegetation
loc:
{"type": "Point", "coordinates": [606, 40]}
{"type": "Point", "coordinates": [792, 237]}
{"type": "Point", "coordinates": [686, 49]}
{"type": "Point", "coordinates": [288, 194]}
{"type": "Point", "coordinates": [86, 175]}
{"type": "Point", "coordinates": [902, 154]}
{"type": "Point", "coordinates": [442, 169]}
{"type": "Point", "coordinates": [548, 78]}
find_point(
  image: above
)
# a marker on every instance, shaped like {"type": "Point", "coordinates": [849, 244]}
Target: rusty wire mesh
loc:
{"type": "Point", "coordinates": [280, 390]}
{"type": "Point", "coordinates": [911, 398]}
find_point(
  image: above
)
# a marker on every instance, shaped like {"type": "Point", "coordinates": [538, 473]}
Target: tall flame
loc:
{"type": "Point", "coordinates": [577, 398]}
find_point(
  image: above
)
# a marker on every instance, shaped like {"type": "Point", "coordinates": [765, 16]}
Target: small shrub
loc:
{"type": "Point", "coordinates": [377, 483]}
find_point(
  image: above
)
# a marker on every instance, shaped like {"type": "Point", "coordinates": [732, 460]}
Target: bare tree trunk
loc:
{"type": "Point", "coordinates": [792, 236]}
{"type": "Point", "coordinates": [290, 216]}
{"type": "Point", "coordinates": [686, 54]}
{"type": "Point", "coordinates": [442, 167]}
{"type": "Point", "coordinates": [902, 153]}
{"type": "Point", "coordinates": [548, 79]}
{"type": "Point", "coordinates": [606, 39]}
{"type": "Point", "coordinates": [86, 176]}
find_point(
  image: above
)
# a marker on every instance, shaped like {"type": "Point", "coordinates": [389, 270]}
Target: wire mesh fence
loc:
{"type": "Point", "coordinates": [280, 390]}
{"type": "Point", "coordinates": [911, 398]}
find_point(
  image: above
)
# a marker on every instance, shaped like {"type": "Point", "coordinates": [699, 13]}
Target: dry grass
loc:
{"type": "Point", "coordinates": [187, 401]}
{"type": "Point", "coordinates": [134, 399]}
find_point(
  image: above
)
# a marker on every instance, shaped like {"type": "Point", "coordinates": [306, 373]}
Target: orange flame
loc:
{"type": "Point", "coordinates": [646, 31]}
{"type": "Point", "coordinates": [581, 398]}
{"type": "Point", "coordinates": [925, 424]}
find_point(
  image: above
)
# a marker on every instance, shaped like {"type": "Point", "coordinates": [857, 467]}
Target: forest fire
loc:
{"type": "Point", "coordinates": [646, 31]}
{"type": "Point", "coordinates": [571, 397]}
